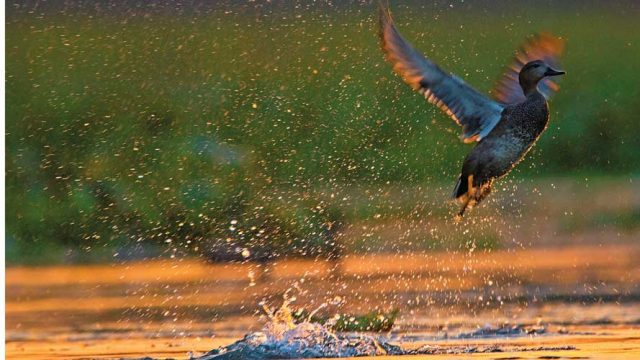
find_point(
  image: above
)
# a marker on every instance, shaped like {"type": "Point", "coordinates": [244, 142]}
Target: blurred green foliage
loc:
{"type": "Point", "coordinates": [625, 220]}
{"type": "Point", "coordinates": [241, 126]}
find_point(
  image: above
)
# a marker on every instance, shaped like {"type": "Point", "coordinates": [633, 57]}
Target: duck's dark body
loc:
{"type": "Point", "coordinates": [517, 131]}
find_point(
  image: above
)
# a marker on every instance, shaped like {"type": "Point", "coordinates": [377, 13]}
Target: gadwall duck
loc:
{"type": "Point", "coordinates": [504, 128]}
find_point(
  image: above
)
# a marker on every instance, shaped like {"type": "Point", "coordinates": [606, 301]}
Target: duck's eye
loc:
{"type": "Point", "coordinates": [536, 65]}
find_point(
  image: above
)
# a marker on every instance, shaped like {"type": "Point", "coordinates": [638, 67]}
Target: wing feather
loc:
{"type": "Point", "coordinates": [476, 113]}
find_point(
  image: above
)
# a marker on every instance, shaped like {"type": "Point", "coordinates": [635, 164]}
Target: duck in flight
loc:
{"type": "Point", "coordinates": [505, 127]}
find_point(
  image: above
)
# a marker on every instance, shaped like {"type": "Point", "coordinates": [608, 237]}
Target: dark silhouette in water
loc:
{"type": "Point", "coordinates": [505, 128]}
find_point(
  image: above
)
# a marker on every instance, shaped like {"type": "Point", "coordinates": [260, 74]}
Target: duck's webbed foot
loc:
{"type": "Point", "coordinates": [476, 191]}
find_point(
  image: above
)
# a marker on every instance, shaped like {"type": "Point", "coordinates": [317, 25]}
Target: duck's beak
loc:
{"type": "Point", "coordinates": [552, 72]}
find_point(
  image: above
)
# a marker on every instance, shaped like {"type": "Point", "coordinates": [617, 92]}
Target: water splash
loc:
{"type": "Point", "coordinates": [283, 338]}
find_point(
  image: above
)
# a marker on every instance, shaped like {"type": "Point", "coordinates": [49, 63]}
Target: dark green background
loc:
{"type": "Point", "coordinates": [138, 123]}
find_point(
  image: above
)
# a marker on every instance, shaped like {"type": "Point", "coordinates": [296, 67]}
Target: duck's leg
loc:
{"type": "Point", "coordinates": [485, 189]}
{"type": "Point", "coordinates": [469, 198]}
{"type": "Point", "coordinates": [460, 213]}
{"type": "Point", "coordinates": [471, 189]}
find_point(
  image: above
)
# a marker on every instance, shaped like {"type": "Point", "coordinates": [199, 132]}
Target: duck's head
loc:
{"type": "Point", "coordinates": [534, 71]}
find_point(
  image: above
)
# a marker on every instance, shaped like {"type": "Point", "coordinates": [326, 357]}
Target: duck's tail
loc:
{"type": "Point", "coordinates": [461, 188]}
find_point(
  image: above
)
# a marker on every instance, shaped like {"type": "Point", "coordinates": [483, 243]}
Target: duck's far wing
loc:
{"type": "Point", "coordinates": [543, 46]}
{"type": "Point", "coordinates": [476, 113]}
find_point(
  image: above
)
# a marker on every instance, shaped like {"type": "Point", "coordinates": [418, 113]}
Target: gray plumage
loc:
{"type": "Point", "coordinates": [505, 128]}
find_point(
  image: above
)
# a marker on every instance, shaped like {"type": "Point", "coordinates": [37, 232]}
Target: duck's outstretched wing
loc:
{"type": "Point", "coordinates": [543, 46]}
{"type": "Point", "coordinates": [476, 113]}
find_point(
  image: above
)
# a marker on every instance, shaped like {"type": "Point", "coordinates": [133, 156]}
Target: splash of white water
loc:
{"type": "Point", "coordinates": [282, 338]}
